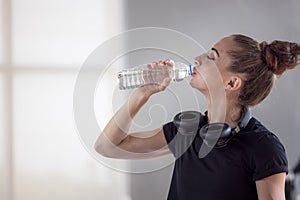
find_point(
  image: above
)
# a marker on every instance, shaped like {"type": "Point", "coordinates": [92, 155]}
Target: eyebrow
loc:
{"type": "Point", "coordinates": [213, 49]}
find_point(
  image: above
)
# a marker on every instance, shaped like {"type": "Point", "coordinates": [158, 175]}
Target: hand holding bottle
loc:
{"type": "Point", "coordinates": [153, 74]}
{"type": "Point", "coordinates": [115, 141]}
{"type": "Point", "coordinates": [157, 78]}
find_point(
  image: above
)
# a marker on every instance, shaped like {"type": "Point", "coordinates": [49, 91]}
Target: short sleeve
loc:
{"type": "Point", "coordinates": [269, 157]}
{"type": "Point", "coordinates": [170, 131]}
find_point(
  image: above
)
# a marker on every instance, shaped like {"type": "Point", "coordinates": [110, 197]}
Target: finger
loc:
{"type": "Point", "coordinates": [168, 61]}
{"type": "Point", "coordinates": [161, 63]}
{"type": "Point", "coordinates": [154, 64]}
{"type": "Point", "coordinates": [150, 66]}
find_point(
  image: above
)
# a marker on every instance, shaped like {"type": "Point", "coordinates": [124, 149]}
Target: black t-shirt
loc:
{"type": "Point", "coordinates": [227, 173]}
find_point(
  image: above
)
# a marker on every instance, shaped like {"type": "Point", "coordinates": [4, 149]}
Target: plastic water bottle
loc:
{"type": "Point", "coordinates": [143, 75]}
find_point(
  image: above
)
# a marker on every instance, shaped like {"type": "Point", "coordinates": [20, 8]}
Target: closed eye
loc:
{"type": "Point", "coordinates": [210, 58]}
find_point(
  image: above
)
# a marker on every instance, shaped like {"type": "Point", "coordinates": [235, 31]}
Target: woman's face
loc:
{"type": "Point", "coordinates": [210, 70]}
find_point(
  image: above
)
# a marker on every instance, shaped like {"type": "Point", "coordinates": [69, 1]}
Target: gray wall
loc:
{"type": "Point", "coordinates": [207, 21]}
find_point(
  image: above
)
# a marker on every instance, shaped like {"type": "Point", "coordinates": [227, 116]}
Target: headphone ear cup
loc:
{"type": "Point", "coordinates": [211, 133]}
{"type": "Point", "coordinates": [187, 122]}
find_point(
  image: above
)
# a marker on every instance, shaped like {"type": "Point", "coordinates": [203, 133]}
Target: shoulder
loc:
{"type": "Point", "coordinates": [257, 135]}
{"type": "Point", "coordinates": [265, 150]}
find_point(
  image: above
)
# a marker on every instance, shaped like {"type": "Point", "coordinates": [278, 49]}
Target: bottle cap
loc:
{"type": "Point", "coordinates": [191, 69]}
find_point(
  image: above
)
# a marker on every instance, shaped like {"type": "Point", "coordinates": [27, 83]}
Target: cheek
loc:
{"type": "Point", "coordinates": [198, 83]}
{"type": "Point", "coordinates": [209, 71]}
{"type": "Point", "coordinates": [210, 78]}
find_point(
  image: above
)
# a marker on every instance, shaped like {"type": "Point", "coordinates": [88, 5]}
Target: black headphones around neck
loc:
{"type": "Point", "coordinates": [213, 134]}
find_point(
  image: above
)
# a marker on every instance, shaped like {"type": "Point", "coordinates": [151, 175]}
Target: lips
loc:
{"type": "Point", "coordinates": [195, 72]}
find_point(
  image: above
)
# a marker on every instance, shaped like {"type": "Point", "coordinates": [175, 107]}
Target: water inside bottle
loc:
{"type": "Point", "coordinates": [137, 77]}
{"type": "Point", "coordinates": [180, 74]}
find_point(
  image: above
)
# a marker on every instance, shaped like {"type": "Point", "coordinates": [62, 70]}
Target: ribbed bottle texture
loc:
{"type": "Point", "coordinates": [143, 75]}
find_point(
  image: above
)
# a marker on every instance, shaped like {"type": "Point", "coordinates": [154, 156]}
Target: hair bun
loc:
{"type": "Point", "coordinates": [280, 55]}
{"type": "Point", "coordinates": [268, 56]}
{"type": "Point", "coordinates": [262, 46]}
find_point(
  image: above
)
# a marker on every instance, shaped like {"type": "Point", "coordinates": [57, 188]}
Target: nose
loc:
{"type": "Point", "coordinates": [197, 60]}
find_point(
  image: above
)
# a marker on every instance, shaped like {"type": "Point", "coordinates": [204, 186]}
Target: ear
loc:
{"type": "Point", "coordinates": [233, 84]}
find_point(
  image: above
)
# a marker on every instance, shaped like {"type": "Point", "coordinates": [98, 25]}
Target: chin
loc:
{"type": "Point", "coordinates": [198, 86]}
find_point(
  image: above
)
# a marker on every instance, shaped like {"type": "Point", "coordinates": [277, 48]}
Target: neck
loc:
{"type": "Point", "coordinates": [223, 111]}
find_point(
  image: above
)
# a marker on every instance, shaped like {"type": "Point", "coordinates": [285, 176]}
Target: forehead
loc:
{"type": "Point", "coordinates": [224, 45]}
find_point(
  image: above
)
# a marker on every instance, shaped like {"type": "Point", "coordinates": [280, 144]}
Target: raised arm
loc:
{"type": "Point", "coordinates": [116, 142]}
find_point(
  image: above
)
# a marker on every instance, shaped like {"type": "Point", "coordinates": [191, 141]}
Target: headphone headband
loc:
{"type": "Point", "coordinates": [246, 116]}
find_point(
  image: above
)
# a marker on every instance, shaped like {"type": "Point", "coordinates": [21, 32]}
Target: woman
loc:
{"type": "Point", "coordinates": [253, 165]}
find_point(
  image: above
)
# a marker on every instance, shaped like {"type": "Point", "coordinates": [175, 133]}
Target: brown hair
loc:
{"type": "Point", "coordinates": [261, 63]}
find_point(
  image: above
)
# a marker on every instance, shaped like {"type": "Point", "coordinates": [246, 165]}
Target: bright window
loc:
{"type": "Point", "coordinates": [61, 33]}
{"type": "Point", "coordinates": [1, 31]}
{"type": "Point", "coordinates": [49, 41]}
